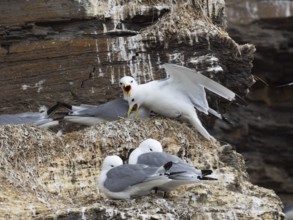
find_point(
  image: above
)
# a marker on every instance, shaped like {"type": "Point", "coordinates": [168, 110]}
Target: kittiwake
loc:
{"type": "Point", "coordinates": [176, 96]}
{"type": "Point", "coordinates": [92, 114]}
{"type": "Point", "coordinates": [40, 118]}
{"type": "Point", "coordinates": [123, 181]}
{"type": "Point", "coordinates": [150, 152]}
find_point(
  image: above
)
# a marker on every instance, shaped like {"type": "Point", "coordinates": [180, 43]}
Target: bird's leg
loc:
{"type": "Point", "coordinates": [136, 112]}
{"type": "Point", "coordinates": [165, 194]}
{"type": "Point", "coordinates": [129, 111]}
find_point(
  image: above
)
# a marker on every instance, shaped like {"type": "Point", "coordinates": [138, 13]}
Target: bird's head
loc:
{"type": "Point", "coordinates": [111, 162]}
{"type": "Point", "coordinates": [150, 145]}
{"type": "Point", "coordinates": [126, 84]}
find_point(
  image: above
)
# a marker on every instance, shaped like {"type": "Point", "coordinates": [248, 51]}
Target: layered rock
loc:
{"type": "Point", "coordinates": [263, 131]}
{"type": "Point", "coordinates": [80, 54]}
{"type": "Point", "coordinates": [76, 52]}
{"type": "Point", "coordinates": [44, 176]}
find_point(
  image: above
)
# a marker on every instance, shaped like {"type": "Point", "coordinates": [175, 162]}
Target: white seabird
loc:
{"type": "Point", "coordinates": [150, 152]}
{"type": "Point", "coordinates": [176, 96]}
{"type": "Point", "coordinates": [123, 181]}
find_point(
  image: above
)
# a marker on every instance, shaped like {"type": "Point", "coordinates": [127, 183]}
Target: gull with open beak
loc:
{"type": "Point", "coordinates": [128, 84]}
{"type": "Point", "coordinates": [177, 96]}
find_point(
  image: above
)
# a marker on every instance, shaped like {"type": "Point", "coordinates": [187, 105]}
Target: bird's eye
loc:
{"type": "Point", "coordinates": [131, 81]}
{"type": "Point", "coordinates": [112, 165]}
{"type": "Point", "coordinates": [132, 100]}
{"type": "Point", "coordinates": [151, 149]}
{"type": "Point", "coordinates": [121, 84]}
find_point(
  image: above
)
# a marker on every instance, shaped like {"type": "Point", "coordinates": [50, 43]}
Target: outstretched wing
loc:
{"type": "Point", "coordinates": [192, 84]}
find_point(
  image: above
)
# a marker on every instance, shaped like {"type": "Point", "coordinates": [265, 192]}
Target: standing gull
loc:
{"type": "Point", "coordinates": [177, 96]}
{"type": "Point", "coordinates": [123, 181]}
{"type": "Point", "coordinates": [150, 152]}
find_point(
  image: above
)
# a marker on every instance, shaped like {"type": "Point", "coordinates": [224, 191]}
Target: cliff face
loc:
{"type": "Point", "coordinates": [267, 121]}
{"type": "Point", "coordinates": [76, 51]}
{"type": "Point", "coordinates": [44, 176]}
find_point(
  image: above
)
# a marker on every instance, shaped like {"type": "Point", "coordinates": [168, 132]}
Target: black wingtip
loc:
{"type": "Point", "coordinates": [168, 165]}
{"type": "Point", "coordinates": [206, 172]}
{"type": "Point", "coordinates": [176, 173]}
{"type": "Point", "coordinates": [207, 178]}
{"type": "Point", "coordinates": [52, 109]}
{"type": "Point", "coordinates": [129, 152]}
{"type": "Point", "coordinates": [227, 120]}
{"type": "Point", "coordinates": [239, 100]}
{"type": "Point", "coordinates": [65, 105]}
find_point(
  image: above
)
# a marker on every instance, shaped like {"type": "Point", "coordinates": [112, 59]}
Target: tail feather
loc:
{"type": "Point", "coordinates": [206, 172]}
{"type": "Point", "coordinates": [168, 165]}
{"type": "Point", "coordinates": [58, 105]}
{"type": "Point", "coordinates": [240, 101]}
{"type": "Point", "coordinates": [199, 127]}
{"type": "Point", "coordinates": [207, 178]}
{"type": "Point", "coordinates": [215, 113]}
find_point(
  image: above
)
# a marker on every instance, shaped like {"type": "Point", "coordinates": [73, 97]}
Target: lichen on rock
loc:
{"type": "Point", "coordinates": [44, 176]}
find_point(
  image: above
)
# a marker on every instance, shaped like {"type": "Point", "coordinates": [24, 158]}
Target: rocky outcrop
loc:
{"type": "Point", "coordinates": [76, 51]}
{"type": "Point", "coordinates": [44, 176]}
{"type": "Point", "coordinates": [262, 132]}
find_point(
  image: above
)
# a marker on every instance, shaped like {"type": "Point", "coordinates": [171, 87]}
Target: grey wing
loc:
{"type": "Point", "coordinates": [179, 166]}
{"type": "Point", "coordinates": [25, 118]}
{"type": "Point", "coordinates": [155, 159]}
{"type": "Point", "coordinates": [32, 115]}
{"type": "Point", "coordinates": [108, 111]}
{"type": "Point", "coordinates": [14, 120]}
{"type": "Point", "coordinates": [193, 84]}
{"type": "Point", "coordinates": [184, 171]}
{"type": "Point", "coordinates": [121, 177]}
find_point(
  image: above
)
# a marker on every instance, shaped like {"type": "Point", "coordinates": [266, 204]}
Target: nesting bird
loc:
{"type": "Point", "coordinates": [94, 114]}
{"type": "Point", "coordinates": [150, 152]}
{"type": "Point", "coordinates": [176, 96]}
{"type": "Point", "coordinates": [123, 181]}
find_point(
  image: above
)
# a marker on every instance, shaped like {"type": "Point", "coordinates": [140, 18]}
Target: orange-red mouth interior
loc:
{"type": "Point", "coordinates": [127, 88]}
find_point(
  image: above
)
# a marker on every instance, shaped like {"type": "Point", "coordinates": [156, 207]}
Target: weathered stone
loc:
{"type": "Point", "coordinates": [262, 132]}
{"type": "Point", "coordinates": [81, 60]}
{"type": "Point", "coordinates": [44, 176]}
{"type": "Point", "coordinates": [76, 52]}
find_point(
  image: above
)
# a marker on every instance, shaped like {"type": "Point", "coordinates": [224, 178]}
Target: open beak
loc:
{"type": "Point", "coordinates": [131, 108]}
{"type": "Point", "coordinates": [127, 89]}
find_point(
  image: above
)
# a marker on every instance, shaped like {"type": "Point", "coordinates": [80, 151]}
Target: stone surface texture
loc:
{"type": "Point", "coordinates": [44, 176]}
{"type": "Point", "coordinates": [263, 131]}
{"type": "Point", "coordinates": [76, 52]}
{"type": "Point", "coordinates": [80, 55]}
